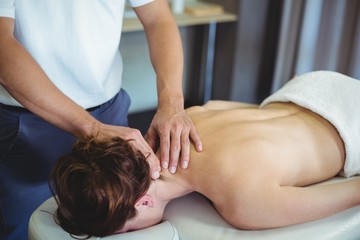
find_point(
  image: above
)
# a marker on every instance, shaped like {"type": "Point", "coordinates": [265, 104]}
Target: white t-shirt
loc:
{"type": "Point", "coordinates": [75, 42]}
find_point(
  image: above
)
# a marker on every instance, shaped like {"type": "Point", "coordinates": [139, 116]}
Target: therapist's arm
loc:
{"type": "Point", "coordinates": [170, 125]}
{"type": "Point", "coordinates": [25, 80]}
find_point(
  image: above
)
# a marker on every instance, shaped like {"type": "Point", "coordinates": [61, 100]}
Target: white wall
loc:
{"type": "Point", "coordinates": [139, 79]}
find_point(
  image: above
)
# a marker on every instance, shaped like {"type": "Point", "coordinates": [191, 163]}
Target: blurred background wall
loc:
{"type": "Point", "coordinates": [271, 41]}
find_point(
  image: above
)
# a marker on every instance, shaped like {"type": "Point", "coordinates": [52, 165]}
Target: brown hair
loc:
{"type": "Point", "coordinates": [97, 186]}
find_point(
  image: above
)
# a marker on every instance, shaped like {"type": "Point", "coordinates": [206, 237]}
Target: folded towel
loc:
{"type": "Point", "coordinates": [335, 97]}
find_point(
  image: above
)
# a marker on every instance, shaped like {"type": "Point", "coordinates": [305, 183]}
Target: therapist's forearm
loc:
{"type": "Point", "coordinates": [166, 53]}
{"type": "Point", "coordinates": [167, 57]}
{"type": "Point", "coordinates": [24, 79]}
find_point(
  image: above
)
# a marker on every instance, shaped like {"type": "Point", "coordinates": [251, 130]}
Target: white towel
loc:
{"type": "Point", "coordinates": [335, 97]}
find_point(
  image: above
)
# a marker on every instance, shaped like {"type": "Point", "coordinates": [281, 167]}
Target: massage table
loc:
{"type": "Point", "coordinates": [192, 217]}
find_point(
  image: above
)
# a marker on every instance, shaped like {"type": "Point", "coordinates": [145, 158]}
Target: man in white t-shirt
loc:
{"type": "Point", "coordinates": [59, 75]}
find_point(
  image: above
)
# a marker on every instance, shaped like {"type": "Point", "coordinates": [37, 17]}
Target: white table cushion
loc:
{"type": "Point", "coordinates": [194, 218]}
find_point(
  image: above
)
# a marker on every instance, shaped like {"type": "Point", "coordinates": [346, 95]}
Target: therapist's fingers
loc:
{"type": "Point", "coordinates": [164, 149]}
{"type": "Point", "coordinates": [139, 143]}
{"type": "Point", "coordinates": [151, 158]}
{"type": "Point", "coordinates": [151, 138]}
{"type": "Point", "coordinates": [154, 164]}
{"type": "Point", "coordinates": [136, 140]}
{"type": "Point", "coordinates": [195, 138]}
{"type": "Point", "coordinates": [175, 148]}
{"type": "Point", "coordinates": [185, 150]}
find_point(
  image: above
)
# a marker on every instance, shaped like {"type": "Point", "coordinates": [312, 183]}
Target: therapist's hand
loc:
{"type": "Point", "coordinates": [137, 142]}
{"type": "Point", "coordinates": [173, 131]}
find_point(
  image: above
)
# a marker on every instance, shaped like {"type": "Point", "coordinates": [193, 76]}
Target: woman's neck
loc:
{"type": "Point", "coordinates": [170, 186]}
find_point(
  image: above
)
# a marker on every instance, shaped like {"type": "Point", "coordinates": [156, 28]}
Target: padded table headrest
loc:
{"type": "Point", "coordinates": [43, 227]}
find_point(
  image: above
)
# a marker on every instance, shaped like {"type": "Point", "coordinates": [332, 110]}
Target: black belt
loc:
{"type": "Point", "coordinates": [93, 108]}
{"type": "Point", "coordinates": [24, 110]}
{"type": "Point", "coordinates": [13, 108]}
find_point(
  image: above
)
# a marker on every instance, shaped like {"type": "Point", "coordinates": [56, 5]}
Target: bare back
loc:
{"type": "Point", "coordinates": [280, 144]}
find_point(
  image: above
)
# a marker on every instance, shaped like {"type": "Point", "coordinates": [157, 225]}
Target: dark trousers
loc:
{"type": "Point", "coordinates": [28, 148]}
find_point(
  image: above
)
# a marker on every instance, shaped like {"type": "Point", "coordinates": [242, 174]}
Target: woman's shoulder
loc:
{"type": "Point", "coordinates": [195, 109]}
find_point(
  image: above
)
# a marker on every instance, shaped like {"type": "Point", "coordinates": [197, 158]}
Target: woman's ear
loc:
{"type": "Point", "coordinates": [146, 201]}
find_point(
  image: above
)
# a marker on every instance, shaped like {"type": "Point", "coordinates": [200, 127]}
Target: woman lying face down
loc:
{"type": "Point", "coordinates": [254, 168]}
{"type": "Point", "coordinates": [99, 186]}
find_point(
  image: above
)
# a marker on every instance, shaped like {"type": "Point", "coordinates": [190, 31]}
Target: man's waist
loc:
{"type": "Point", "coordinates": [25, 110]}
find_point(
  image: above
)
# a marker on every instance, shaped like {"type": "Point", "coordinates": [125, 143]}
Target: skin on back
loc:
{"type": "Point", "coordinates": [286, 142]}
{"type": "Point", "coordinates": [251, 152]}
